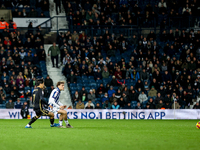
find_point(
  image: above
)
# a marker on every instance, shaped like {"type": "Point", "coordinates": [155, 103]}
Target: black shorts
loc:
{"type": "Point", "coordinates": [41, 112]}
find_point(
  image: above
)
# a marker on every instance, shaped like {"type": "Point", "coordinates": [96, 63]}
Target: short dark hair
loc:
{"type": "Point", "coordinates": [59, 83]}
{"type": "Point", "coordinates": [39, 81]}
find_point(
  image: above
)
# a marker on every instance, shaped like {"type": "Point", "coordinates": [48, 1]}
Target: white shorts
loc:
{"type": "Point", "coordinates": [54, 110]}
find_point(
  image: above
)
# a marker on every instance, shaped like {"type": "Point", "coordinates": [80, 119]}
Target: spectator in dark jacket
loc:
{"type": "Point", "coordinates": [48, 82]}
{"type": "Point", "coordinates": [10, 104]}
{"type": "Point", "coordinates": [18, 104]}
{"type": "Point", "coordinates": [127, 106]}
{"type": "Point", "coordinates": [144, 75]}
{"type": "Point", "coordinates": [167, 78]}
{"type": "Point", "coordinates": [113, 82]}
{"type": "Point", "coordinates": [196, 106]}
{"type": "Point", "coordinates": [139, 84]}
{"type": "Point", "coordinates": [133, 96]}
{"type": "Point", "coordinates": [76, 97]}
{"type": "Point", "coordinates": [71, 78]}
{"type": "Point", "coordinates": [24, 111]}
{"type": "Point", "coordinates": [151, 104]}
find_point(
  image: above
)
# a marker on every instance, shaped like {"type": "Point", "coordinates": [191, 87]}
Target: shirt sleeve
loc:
{"type": "Point", "coordinates": [52, 99]}
{"type": "Point", "coordinates": [59, 103]}
{"type": "Point", "coordinates": [41, 97]}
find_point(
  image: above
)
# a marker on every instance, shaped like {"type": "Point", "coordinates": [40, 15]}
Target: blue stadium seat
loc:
{"type": "Point", "coordinates": [84, 77]}
{"type": "Point", "coordinates": [72, 85]}
{"type": "Point", "coordinates": [90, 77]}
{"type": "Point", "coordinates": [85, 80]}
{"type": "Point", "coordinates": [93, 84]}
{"type": "Point", "coordinates": [79, 88]}
{"type": "Point", "coordinates": [72, 92]}
{"type": "Point", "coordinates": [99, 81]}
{"type": "Point", "coordinates": [79, 80]}
{"type": "Point", "coordinates": [79, 84]}
{"type": "Point", "coordinates": [27, 88]}
{"type": "Point", "coordinates": [73, 88]}
{"type": "Point", "coordinates": [91, 80]}
{"type": "Point", "coordinates": [22, 99]}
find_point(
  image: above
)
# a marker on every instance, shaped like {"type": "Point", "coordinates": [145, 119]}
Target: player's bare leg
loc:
{"type": "Point", "coordinates": [63, 114]}
{"type": "Point", "coordinates": [60, 119]}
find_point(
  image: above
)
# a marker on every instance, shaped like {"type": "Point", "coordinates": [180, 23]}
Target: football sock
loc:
{"type": "Point", "coordinates": [66, 122]}
{"type": "Point", "coordinates": [52, 121]}
{"type": "Point", "coordinates": [60, 122]}
{"type": "Point", "coordinates": [32, 120]}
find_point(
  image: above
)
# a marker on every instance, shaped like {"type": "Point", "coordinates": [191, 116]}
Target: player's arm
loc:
{"type": "Point", "coordinates": [52, 100]}
{"type": "Point", "coordinates": [64, 106]}
{"type": "Point", "coordinates": [43, 101]}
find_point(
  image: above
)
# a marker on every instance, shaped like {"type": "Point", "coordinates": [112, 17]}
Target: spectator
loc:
{"type": "Point", "coordinates": [111, 91]}
{"type": "Point", "coordinates": [84, 97]}
{"type": "Point", "coordinates": [80, 105]}
{"type": "Point", "coordinates": [118, 94]}
{"type": "Point", "coordinates": [33, 13]}
{"type": "Point", "coordinates": [151, 104]}
{"type": "Point", "coordinates": [118, 74]}
{"type": "Point", "coordinates": [82, 91]}
{"type": "Point", "coordinates": [167, 105]}
{"type": "Point", "coordinates": [89, 105]}
{"type": "Point", "coordinates": [105, 73]}
{"type": "Point", "coordinates": [138, 106]}
{"type": "Point", "coordinates": [13, 96]}
{"type": "Point", "coordinates": [121, 102]}
{"type": "Point", "coordinates": [71, 78]}
{"type": "Point", "coordinates": [160, 105]}
{"type": "Point", "coordinates": [112, 98]}
{"type": "Point", "coordinates": [133, 96]}
{"type": "Point", "coordinates": [114, 81]}
{"type": "Point", "coordinates": [24, 111]}
{"type": "Point", "coordinates": [98, 106]}
{"type": "Point", "coordinates": [55, 51]}
{"type": "Point", "coordinates": [144, 75]}
{"type": "Point", "coordinates": [139, 84]}
{"type": "Point", "coordinates": [127, 106]}
{"type": "Point", "coordinates": [196, 106]}
{"type": "Point", "coordinates": [125, 98]}
{"type": "Point", "coordinates": [115, 106]}
{"type": "Point", "coordinates": [106, 105]}
{"type": "Point", "coordinates": [10, 104]}
{"type": "Point", "coordinates": [91, 96]}
{"type": "Point", "coordinates": [18, 104]}
{"type": "Point", "coordinates": [177, 106]}
{"type": "Point", "coordinates": [142, 97]}
{"type": "Point", "coordinates": [167, 78]}
{"type": "Point", "coordinates": [76, 97]}
{"type": "Point", "coordinates": [158, 98]}
{"type": "Point", "coordinates": [105, 98]}
{"type": "Point", "coordinates": [152, 92]}
{"type": "Point", "coordinates": [101, 89]}
{"type": "Point", "coordinates": [48, 82]}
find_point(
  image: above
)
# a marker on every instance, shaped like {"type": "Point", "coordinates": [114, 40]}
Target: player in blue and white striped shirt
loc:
{"type": "Point", "coordinates": [57, 105]}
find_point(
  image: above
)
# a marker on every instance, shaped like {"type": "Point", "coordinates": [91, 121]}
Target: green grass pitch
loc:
{"type": "Point", "coordinates": [101, 135]}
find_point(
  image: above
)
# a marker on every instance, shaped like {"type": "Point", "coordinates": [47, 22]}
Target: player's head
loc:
{"type": "Point", "coordinates": [61, 85]}
{"type": "Point", "coordinates": [40, 83]}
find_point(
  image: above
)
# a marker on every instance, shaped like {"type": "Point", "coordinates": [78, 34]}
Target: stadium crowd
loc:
{"type": "Point", "coordinates": [27, 8]}
{"type": "Point", "coordinates": [131, 12]}
{"type": "Point", "coordinates": [22, 61]}
{"type": "Point", "coordinates": [111, 71]}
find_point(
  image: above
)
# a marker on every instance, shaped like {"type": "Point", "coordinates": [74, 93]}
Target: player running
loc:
{"type": "Point", "coordinates": [58, 106]}
{"type": "Point", "coordinates": [38, 101]}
